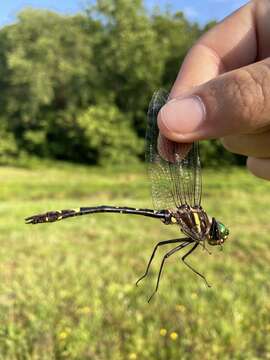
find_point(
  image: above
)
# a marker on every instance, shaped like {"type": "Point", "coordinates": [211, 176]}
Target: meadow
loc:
{"type": "Point", "coordinates": [67, 290]}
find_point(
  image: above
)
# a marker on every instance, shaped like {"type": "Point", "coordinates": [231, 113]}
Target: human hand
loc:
{"type": "Point", "coordinates": [223, 88]}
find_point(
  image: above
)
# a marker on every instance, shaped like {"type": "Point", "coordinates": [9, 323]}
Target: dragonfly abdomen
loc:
{"type": "Point", "coordinates": [52, 216]}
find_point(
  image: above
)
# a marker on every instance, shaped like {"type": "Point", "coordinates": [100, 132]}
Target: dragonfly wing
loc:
{"type": "Point", "coordinates": [176, 174]}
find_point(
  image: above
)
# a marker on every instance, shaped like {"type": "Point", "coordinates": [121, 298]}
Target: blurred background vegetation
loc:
{"type": "Point", "coordinates": [74, 92]}
{"type": "Point", "coordinates": [76, 88]}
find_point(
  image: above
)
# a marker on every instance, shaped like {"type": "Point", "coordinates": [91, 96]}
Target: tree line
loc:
{"type": "Point", "coordinates": [77, 88]}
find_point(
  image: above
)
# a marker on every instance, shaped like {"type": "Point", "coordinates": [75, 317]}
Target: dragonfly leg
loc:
{"type": "Point", "coordinates": [207, 250]}
{"type": "Point", "coordinates": [171, 252]}
{"type": "Point", "coordinates": [204, 247]}
{"type": "Point", "coordinates": [161, 243]}
{"type": "Point", "coordinates": [191, 268]}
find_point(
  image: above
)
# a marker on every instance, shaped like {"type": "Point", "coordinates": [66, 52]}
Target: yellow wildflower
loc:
{"type": "Point", "coordinates": [216, 348]}
{"type": "Point", "coordinates": [64, 333]}
{"type": "Point", "coordinates": [173, 335]}
{"type": "Point", "coordinates": [163, 332]}
{"type": "Point", "coordinates": [180, 308]}
{"type": "Point", "coordinates": [132, 356]}
{"type": "Point", "coordinates": [84, 310]}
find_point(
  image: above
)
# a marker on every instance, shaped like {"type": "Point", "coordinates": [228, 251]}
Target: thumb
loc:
{"type": "Point", "coordinates": [237, 102]}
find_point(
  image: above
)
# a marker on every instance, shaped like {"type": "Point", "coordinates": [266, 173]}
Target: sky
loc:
{"type": "Point", "coordinates": [201, 11]}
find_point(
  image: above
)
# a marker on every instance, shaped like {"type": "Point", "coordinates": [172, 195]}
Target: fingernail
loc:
{"type": "Point", "coordinates": [184, 115]}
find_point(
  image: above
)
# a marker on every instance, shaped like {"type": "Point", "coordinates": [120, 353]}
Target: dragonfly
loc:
{"type": "Point", "coordinates": [175, 173]}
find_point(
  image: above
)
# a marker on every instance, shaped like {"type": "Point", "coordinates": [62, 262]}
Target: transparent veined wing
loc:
{"type": "Point", "coordinates": [176, 175]}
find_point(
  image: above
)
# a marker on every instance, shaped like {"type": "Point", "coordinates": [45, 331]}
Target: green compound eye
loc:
{"type": "Point", "coordinates": [223, 230]}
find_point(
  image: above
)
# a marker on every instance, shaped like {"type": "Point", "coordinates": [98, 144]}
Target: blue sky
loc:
{"type": "Point", "coordinates": [196, 10]}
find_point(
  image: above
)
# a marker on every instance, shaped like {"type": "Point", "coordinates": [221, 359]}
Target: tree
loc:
{"type": "Point", "coordinates": [48, 60]}
{"type": "Point", "coordinates": [129, 56]}
{"type": "Point", "coordinates": [77, 87]}
{"type": "Point", "coordinates": [175, 37]}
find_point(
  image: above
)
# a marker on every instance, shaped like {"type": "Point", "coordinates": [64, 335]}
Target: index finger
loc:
{"type": "Point", "coordinates": [229, 45]}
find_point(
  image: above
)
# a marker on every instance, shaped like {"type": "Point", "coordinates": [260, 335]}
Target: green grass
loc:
{"type": "Point", "coordinates": [67, 289]}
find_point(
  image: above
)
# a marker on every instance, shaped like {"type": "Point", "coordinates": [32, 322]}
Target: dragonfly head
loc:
{"type": "Point", "coordinates": [218, 233]}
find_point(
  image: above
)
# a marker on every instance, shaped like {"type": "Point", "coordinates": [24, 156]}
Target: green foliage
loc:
{"type": "Point", "coordinates": [213, 154]}
{"type": "Point", "coordinates": [48, 60]}
{"type": "Point", "coordinates": [57, 72]}
{"type": "Point", "coordinates": [8, 146]}
{"type": "Point", "coordinates": [68, 289]}
{"type": "Point", "coordinates": [130, 57]}
{"type": "Point", "coordinates": [175, 36]}
{"type": "Point", "coordinates": [107, 133]}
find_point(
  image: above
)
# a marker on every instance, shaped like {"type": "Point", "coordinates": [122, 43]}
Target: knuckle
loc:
{"type": "Point", "coordinates": [249, 92]}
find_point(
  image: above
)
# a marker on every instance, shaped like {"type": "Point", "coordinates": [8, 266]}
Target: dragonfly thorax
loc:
{"type": "Point", "coordinates": [195, 223]}
{"type": "Point", "coordinates": [192, 220]}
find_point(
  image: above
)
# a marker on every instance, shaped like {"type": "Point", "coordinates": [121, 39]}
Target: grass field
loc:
{"type": "Point", "coordinates": [67, 289]}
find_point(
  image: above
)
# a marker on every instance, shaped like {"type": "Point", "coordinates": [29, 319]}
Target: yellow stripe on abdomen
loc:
{"type": "Point", "coordinates": [76, 210]}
